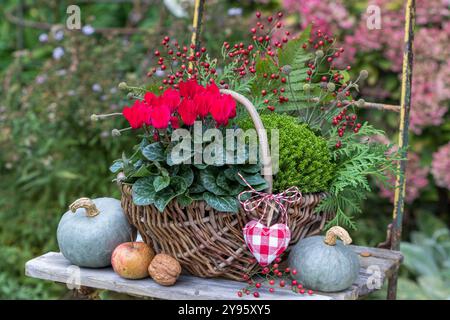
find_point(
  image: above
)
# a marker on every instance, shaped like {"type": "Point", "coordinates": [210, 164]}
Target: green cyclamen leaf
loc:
{"type": "Point", "coordinates": [143, 191]}
{"type": "Point", "coordinates": [142, 171]}
{"type": "Point", "coordinates": [208, 180]}
{"type": "Point", "coordinates": [187, 174]}
{"type": "Point", "coordinates": [162, 198]}
{"type": "Point", "coordinates": [221, 203]}
{"type": "Point", "coordinates": [154, 152]}
{"type": "Point", "coordinates": [251, 168]}
{"type": "Point", "coordinates": [161, 182]}
{"type": "Point", "coordinates": [255, 179]}
{"type": "Point", "coordinates": [184, 200]}
{"type": "Point", "coordinates": [116, 166]}
{"type": "Point", "coordinates": [196, 188]}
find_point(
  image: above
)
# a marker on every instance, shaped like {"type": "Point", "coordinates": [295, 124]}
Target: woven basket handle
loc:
{"type": "Point", "coordinates": [262, 135]}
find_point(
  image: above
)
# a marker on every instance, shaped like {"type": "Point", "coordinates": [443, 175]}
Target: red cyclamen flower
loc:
{"type": "Point", "coordinates": [160, 116]}
{"type": "Point", "coordinates": [188, 112]}
{"type": "Point", "coordinates": [137, 115]}
{"type": "Point", "coordinates": [223, 109]}
{"type": "Point", "coordinates": [171, 98]}
{"type": "Point", "coordinates": [189, 88]}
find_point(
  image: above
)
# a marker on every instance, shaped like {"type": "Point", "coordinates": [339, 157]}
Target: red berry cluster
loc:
{"type": "Point", "coordinates": [242, 56]}
{"type": "Point", "coordinates": [345, 122]}
{"type": "Point", "coordinates": [182, 62]}
{"type": "Point", "coordinates": [274, 278]}
{"type": "Point", "coordinates": [327, 71]}
{"type": "Point", "coordinates": [324, 71]}
{"type": "Point", "coordinates": [268, 35]}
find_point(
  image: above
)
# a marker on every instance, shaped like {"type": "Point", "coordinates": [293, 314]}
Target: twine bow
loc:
{"type": "Point", "coordinates": [258, 198]}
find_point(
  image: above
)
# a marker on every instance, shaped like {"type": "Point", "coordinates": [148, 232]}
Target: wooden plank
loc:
{"type": "Point", "coordinates": [380, 253]}
{"type": "Point", "coordinates": [54, 267]}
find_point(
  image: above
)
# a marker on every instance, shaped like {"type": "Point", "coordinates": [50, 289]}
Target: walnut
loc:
{"type": "Point", "coordinates": [164, 269]}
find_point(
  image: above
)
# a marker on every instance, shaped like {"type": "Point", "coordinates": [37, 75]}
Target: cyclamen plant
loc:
{"type": "Point", "coordinates": [278, 73]}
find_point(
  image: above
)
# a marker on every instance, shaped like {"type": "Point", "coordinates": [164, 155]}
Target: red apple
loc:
{"type": "Point", "coordinates": [130, 260]}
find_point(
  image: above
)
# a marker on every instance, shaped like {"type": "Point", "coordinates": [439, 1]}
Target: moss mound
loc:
{"type": "Point", "coordinates": [304, 158]}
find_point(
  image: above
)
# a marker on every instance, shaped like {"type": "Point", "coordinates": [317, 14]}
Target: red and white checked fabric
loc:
{"type": "Point", "coordinates": [266, 243]}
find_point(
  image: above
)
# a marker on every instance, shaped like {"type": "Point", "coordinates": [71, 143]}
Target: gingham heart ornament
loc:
{"type": "Point", "coordinates": [266, 243]}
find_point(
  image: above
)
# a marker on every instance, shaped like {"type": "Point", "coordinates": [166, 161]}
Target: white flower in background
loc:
{"type": "Point", "coordinates": [96, 87]}
{"type": "Point", "coordinates": [40, 79]}
{"type": "Point", "coordinates": [61, 72]}
{"type": "Point", "coordinates": [88, 30]}
{"type": "Point", "coordinates": [113, 90]}
{"type": "Point", "coordinates": [43, 37]}
{"type": "Point", "coordinates": [59, 35]}
{"type": "Point", "coordinates": [235, 12]}
{"type": "Point", "coordinates": [159, 73]}
{"type": "Point", "coordinates": [58, 52]}
{"type": "Point", "coordinates": [177, 7]}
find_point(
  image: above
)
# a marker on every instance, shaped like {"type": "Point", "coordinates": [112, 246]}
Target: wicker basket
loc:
{"type": "Point", "coordinates": [208, 243]}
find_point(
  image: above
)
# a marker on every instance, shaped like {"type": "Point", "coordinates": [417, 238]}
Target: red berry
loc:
{"type": "Point", "coordinates": [287, 270]}
{"type": "Point", "coordinates": [272, 282]}
{"type": "Point", "coordinates": [270, 18]}
{"type": "Point", "coordinates": [282, 283]}
{"type": "Point", "coordinates": [310, 292]}
{"type": "Point", "coordinates": [271, 108]}
{"type": "Point", "coordinates": [253, 30]}
{"type": "Point", "coordinates": [258, 285]}
{"type": "Point", "coordinates": [277, 259]}
{"type": "Point", "coordinates": [256, 294]}
{"type": "Point", "coordinates": [271, 290]}
{"type": "Point", "coordinates": [275, 265]}
{"type": "Point", "coordinates": [294, 271]}
{"type": "Point", "coordinates": [294, 282]}
{"type": "Point", "coordinates": [263, 92]}
{"type": "Point", "coordinates": [324, 78]}
{"type": "Point", "coordinates": [302, 291]}
{"type": "Point", "coordinates": [283, 80]}
{"type": "Point", "coordinates": [239, 293]}
{"type": "Point", "coordinates": [258, 14]}
{"type": "Point", "coordinates": [299, 286]}
{"type": "Point", "coordinates": [157, 53]}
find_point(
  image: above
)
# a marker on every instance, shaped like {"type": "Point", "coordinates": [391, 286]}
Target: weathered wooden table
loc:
{"type": "Point", "coordinates": [376, 266]}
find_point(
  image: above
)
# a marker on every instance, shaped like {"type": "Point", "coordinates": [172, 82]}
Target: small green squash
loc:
{"type": "Point", "coordinates": [324, 264]}
{"type": "Point", "coordinates": [90, 231]}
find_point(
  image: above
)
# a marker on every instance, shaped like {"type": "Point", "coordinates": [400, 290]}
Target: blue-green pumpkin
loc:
{"type": "Point", "coordinates": [325, 263]}
{"type": "Point", "coordinates": [90, 231]}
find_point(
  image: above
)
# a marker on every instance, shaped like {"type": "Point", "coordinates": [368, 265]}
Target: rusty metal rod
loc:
{"type": "Point", "coordinates": [400, 183]}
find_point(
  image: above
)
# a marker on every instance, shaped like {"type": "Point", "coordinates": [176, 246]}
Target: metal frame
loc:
{"type": "Point", "coordinates": [394, 231]}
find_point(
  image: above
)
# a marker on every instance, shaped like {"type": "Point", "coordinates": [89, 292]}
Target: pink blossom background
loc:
{"type": "Point", "coordinates": [431, 73]}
